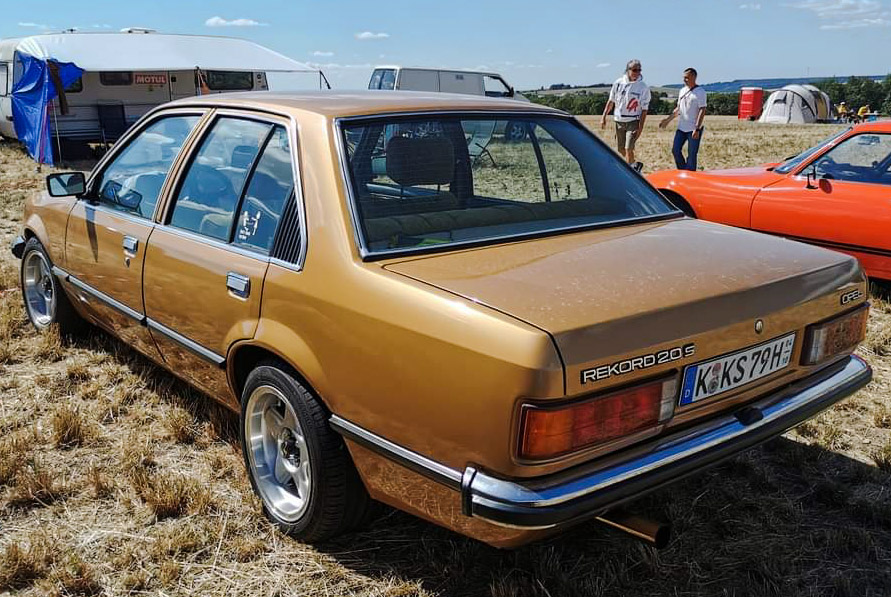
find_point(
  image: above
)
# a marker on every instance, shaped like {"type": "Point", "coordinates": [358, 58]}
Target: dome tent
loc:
{"type": "Point", "coordinates": [797, 104]}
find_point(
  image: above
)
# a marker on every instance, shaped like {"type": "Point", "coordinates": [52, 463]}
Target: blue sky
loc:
{"type": "Point", "coordinates": [531, 43]}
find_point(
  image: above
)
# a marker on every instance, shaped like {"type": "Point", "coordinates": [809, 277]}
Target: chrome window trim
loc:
{"type": "Point", "coordinates": [98, 294]}
{"type": "Point", "coordinates": [367, 255]}
{"type": "Point", "coordinates": [213, 242]}
{"type": "Point", "coordinates": [143, 123]}
{"type": "Point", "coordinates": [190, 345]}
{"type": "Point", "coordinates": [123, 214]}
{"type": "Point", "coordinates": [293, 129]}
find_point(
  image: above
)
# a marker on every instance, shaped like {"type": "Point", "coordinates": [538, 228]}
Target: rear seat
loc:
{"type": "Point", "coordinates": [420, 224]}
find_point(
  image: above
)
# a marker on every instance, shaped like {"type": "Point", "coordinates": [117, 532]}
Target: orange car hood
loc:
{"type": "Point", "coordinates": [605, 292]}
{"type": "Point", "coordinates": [757, 176]}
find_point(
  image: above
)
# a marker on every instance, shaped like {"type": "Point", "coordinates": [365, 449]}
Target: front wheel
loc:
{"type": "Point", "coordinates": [45, 301]}
{"type": "Point", "coordinates": [298, 466]}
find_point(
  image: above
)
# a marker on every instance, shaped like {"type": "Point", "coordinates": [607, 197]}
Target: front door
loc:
{"type": "Point", "coordinates": [847, 208]}
{"type": "Point", "coordinates": [205, 267]}
{"type": "Point", "coordinates": [109, 229]}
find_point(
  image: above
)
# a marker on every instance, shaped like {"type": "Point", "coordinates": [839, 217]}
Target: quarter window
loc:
{"type": "Point", "coordinates": [210, 192]}
{"type": "Point", "coordinates": [115, 79]}
{"type": "Point", "coordinates": [133, 180]}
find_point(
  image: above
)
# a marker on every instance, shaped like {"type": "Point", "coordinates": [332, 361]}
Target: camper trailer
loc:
{"type": "Point", "coordinates": [110, 80]}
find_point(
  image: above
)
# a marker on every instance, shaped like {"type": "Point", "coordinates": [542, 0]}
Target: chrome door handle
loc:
{"type": "Point", "coordinates": [238, 284]}
{"type": "Point", "coordinates": [131, 245]}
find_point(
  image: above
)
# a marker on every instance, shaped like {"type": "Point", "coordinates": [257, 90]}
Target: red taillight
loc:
{"type": "Point", "coordinates": [548, 432]}
{"type": "Point", "coordinates": [833, 337]}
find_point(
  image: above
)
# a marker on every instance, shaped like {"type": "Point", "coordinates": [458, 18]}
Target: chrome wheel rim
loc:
{"type": "Point", "coordinates": [277, 453]}
{"type": "Point", "coordinates": [39, 288]}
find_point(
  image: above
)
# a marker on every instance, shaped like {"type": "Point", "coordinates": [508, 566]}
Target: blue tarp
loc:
{"type": "Point", "coordinates": [30, 103]}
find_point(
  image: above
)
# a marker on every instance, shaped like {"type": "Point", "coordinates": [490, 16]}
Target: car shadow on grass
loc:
{"type": "Point", "coordinates": [783, 519]}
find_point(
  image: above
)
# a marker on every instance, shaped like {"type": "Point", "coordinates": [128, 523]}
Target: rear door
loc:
{"type": "Point", "coordinates": [205, 265]}
{"type": "Point", "coordinates": [848, 208]}
{"type": "Point", "coordinates": [109, 229]}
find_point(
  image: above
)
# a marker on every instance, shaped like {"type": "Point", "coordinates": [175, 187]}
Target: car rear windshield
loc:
{"type": "Point", "coordinates": [425, 182]}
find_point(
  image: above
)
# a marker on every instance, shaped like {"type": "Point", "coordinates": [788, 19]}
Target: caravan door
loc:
{"type": "Point", "coordinates": [6, 127]}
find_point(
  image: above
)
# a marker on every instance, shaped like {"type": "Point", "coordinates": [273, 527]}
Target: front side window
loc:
{"type": "Point", "coordinates": [209, 194]}
{"type": "Point", "coordinates": [496, 87]}
{"type": "Point", "coordinates": [133, 180]}
{"type": "Point", "coordinates": [115, 79]}
{"type": "Point", "coordinates": [424, 182]}
{"type": "Point", "coordinates": [388, 79]}
{"type": "Point", "coordinates": [795, 161]}
{"type": "Point", "coordinates": [861, 158]}
{"type": "Point", "coordinates": [376, 76]}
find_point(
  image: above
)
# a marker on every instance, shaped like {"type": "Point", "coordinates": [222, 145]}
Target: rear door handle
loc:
{"type": "Point", "coordinates": [238, 284]}
{"type": "Point", "coordinates": [131, 245]}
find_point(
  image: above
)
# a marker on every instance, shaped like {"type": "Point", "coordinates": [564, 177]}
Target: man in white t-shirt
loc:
{"type": "Point", "coordinates": [629, 97]}
{"type": "Point", "coordinates": [690, 112]}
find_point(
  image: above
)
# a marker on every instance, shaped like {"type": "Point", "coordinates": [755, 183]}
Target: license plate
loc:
{"type": "Point", "coordinates": [710, 378]}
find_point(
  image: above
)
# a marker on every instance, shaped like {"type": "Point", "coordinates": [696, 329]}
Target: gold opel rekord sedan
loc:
{"type": "Point", "coordinates": [502, 336]}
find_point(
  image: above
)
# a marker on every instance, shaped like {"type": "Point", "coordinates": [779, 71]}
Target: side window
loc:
{"type": "Point", "coordinates": [496, 87]}
{"type": "Point", "coordinates": [76, 87]}
{"type": "Point", "coordinates": [4, 78]}
{"type": "Point", "coordinates": [220, 80]}
{"type": "Point", "coordinates": [213, 183]}
{"type": "Point", "coordinates": [269, 188]}
{"type": "Point", "coordinates": [133, 180]}
{"type": "Point", "coordinates": [565, 177]}
{"type": "Point", "coordinates": [115, 78]}
{"type": "Point", "coordinates": [490, 152]}
{"type": "Point", "coordinates": [375, 82]}
{"type": "Point", "coordinates": [861, 158]}
{"type": "Point", "coordinates": [388, 79]}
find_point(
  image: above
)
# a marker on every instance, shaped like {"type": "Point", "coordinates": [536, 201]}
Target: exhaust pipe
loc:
{"type": "Point", "coordinates": [657, 534]}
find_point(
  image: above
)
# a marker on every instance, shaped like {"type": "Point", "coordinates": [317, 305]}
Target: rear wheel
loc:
{"type": "Point", "coordinates": [45, 301]}
{"type": "Point", "coordinates": [298, 466]}
{"type": "Point", "coordinates": [515, 131]}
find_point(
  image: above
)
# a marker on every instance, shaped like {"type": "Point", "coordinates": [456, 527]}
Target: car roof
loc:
{"type": "Point", "coordinates": [879, 126]}
{"type": "Point", "coordinates": [333, 103]}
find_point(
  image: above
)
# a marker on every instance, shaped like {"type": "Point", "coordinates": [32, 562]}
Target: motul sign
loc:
{"type": "Point", "coordinates": [143, 79]}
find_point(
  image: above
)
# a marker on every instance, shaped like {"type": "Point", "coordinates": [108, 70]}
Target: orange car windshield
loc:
{"type": "Point", "coordinates": [420, 183]}
{"type": "Point", "coordinates": [795, 161]}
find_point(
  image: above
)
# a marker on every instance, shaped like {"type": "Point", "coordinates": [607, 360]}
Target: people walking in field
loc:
{"type": "Point", "coordinates": [629, 100]}
{"type": "Point", "coordinates": [690, 111]}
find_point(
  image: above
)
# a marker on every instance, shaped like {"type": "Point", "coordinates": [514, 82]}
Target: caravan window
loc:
{"type": "Point", "coordinates": [220, 80]}
{"type": "Point", "coordinates": [4, 78]}
{"type": "Point", "coordinates": [112, 79]}
{"type": "Point", "coordinates": [75, 87]}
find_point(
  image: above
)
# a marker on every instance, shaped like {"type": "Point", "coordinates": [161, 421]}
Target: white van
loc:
{"type": "Point", "coordinates": [128, 73]}
{"type": "Point", "coordinates": [449, 81]}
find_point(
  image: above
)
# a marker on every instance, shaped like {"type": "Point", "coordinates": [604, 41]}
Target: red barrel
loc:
{"type": "Point", "coordinates": [751, 101]}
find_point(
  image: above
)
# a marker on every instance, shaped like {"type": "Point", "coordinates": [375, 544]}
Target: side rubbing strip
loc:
{"type": "Point", "coordinates": [189, 345]}
{"type": "Point", "coordinates": [101, 296]}
{"type": "Point", "coordinates": [420, 464]}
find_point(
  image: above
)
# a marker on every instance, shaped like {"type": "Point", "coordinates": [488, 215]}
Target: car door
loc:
{"type": "Point", "coordinates": [846, 205]}
{"type": "Point", "coordinates": [108, 230]}
{"type": "Point", "coordinates": [205, 265]}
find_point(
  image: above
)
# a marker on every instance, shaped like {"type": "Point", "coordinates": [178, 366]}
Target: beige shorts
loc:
{"type": "Point", "coordinates": [626, 134]}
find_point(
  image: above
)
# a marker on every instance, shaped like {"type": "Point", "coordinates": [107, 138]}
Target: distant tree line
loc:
{"type": "Point", "coordinates": [593, 103]}
{"type": "Point", "coordinates": [859, 91]}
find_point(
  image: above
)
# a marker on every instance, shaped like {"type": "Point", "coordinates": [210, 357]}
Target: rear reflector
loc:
{"type": "Point", "coordinates": [830, 338]}
{"type": "Point", "coordinates": [549, 432]}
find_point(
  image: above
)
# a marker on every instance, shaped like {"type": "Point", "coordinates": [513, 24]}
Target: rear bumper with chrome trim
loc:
{"type": "Point", "coordinates": [590, 490]}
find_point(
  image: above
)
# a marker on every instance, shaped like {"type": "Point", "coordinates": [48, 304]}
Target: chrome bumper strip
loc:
{"type": "Point", "coordinates": [190, 345]}
{"type": "Point", "coordinates": [589, 490]}
{"type": "Point", "coordinates": [101, 296]}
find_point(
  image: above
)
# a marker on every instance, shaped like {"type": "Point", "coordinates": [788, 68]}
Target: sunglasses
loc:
{"type": "Point", "coordinates": [635, 70]}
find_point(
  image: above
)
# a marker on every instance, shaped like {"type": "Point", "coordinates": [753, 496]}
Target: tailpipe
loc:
{"type": "Point", "coordinates": [657, 534]}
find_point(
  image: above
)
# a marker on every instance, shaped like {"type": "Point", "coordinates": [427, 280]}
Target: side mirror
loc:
{"type": "Point", "coordinates": [66, 184]}
{"type": "Point", "coordinates": [811, 177]}
{"type": "Point", "coordinates": [511, 92]}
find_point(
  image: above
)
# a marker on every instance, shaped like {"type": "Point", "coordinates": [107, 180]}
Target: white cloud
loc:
{"type": "Point", "coordinates": [102, 26]}
{"type": "Point", "coordinates": [365, 35]}
{"type": "Point", "coordinates": [549, 51]}
{"type": "Point", "coordinates": [35, 25]}
{"type": "Point", "coordinates": [750, 7]}
{"type": "Point", "coordinates": [846, 14]}
{"type": "Point", "coordinates": [221, 22]}
{"type": "Point", "coordinates": [337, 66]}
{"type": "Point", "coordinates": [322, 53]}
{"type": "Point", "coordinates": [602, 65]}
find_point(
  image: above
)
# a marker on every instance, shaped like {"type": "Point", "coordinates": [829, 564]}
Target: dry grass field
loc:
{"type": "Point", "coordinates": [115, 479]}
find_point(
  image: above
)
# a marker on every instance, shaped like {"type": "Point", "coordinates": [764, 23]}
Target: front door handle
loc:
{"type": "Point", "coordinates": [131, 245]}
{"type": "Point", "coordinates": [238, 284]}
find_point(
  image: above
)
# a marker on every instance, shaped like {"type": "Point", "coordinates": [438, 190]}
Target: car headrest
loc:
{"type": "Point", "coordinates": [421, 160]}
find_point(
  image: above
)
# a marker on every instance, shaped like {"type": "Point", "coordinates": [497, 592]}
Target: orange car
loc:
{"type": "Point", "coordinates": [836, 194]}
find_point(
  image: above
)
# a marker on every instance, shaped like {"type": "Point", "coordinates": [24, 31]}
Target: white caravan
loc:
{"type": "Point", "coordinates": [128, 73]}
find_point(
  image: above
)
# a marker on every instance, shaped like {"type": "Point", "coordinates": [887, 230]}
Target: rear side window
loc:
{"type": "Point", "coordinates": [116, 79]}
{"type": "Point", "coordinates": [267, 191]}
{"type": "Point", "coordinates": [209, 194]}
{"type": "Point", "coordinates": [133, 180]}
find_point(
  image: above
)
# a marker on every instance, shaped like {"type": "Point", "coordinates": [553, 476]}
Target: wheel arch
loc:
{"type": "Point", "coordinates": [679, 201]}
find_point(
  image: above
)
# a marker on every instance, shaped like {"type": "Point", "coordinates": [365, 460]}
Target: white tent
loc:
{"type": "Point", "coordinates": [152, 52]}
{"type": "Point", "coordinates": [797, 104]}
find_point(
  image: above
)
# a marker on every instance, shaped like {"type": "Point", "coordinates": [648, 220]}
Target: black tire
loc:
{"type": "Point", "coordinates": [44, 311]}
{"type": "Point", "coordinates": [514, 131]}
{"type": "Point", "coordinates": [336, 500]}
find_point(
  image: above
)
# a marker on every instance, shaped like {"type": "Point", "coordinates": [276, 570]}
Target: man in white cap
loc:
{"type": "Point", "coordinates": [629, 99]}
